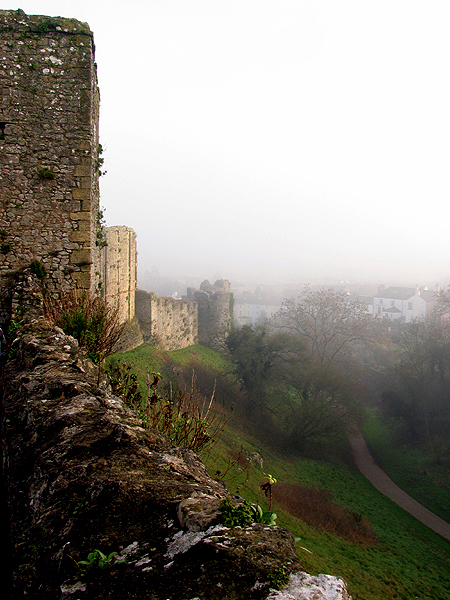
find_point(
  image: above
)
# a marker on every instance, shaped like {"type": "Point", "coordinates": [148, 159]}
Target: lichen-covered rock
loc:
{"type": "Point", "coordinates": [302, 586]}
{"type": "Point", "coordinates": [198, 512]}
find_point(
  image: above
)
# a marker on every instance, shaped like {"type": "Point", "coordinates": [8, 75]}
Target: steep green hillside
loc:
{"type": "Point", "coordinates": [147, 359]}
{"type": "Point", "coordinates": [406, 560]}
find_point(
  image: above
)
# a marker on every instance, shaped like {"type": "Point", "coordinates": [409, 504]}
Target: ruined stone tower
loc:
{"type": "Point", "coordinates": [119, 270]}
{"type": "Point", "coordinates": [215, 311]}
{"type": "Point", "coordinates": [49, 151]}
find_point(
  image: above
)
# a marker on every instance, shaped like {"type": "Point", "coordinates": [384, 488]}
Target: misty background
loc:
{"type": "Point", "coordinates": [275, 141]}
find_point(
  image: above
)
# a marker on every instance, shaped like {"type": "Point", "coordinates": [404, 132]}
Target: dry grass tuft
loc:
{"type": "Point", "coordinates": [188, 418]}
{"type": "Point", "coordinates": [315, 507]}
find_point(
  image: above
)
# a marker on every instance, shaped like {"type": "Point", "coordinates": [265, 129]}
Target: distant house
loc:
{"type": "Point", "coordinates": [250, 314]}
{"type": "Point", "coordinates": [242, 314]}
{"type": "Point", "coordinates": [403, 303]}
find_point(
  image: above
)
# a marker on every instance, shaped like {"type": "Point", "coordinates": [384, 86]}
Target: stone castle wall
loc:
{"type": "Point", "coordinates": [119, 270]}
{"type": "Point", "coordinates": [49, 193]}
{"type": "Point", "coordinates": [205, 317]}
{"type": "Point", "coordinates": [167, 323]}
{"type": "Point", "coordinates": [215, 311]}
{"type": "Point", "coordinates": [49, 146]}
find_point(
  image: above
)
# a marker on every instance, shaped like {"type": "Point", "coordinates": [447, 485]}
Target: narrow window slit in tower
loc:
{"type": "Point", "coordinates": [2, 130]}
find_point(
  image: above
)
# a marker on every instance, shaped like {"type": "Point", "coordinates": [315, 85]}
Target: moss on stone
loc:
{"type": "Point", "coordinates": [17, 20]}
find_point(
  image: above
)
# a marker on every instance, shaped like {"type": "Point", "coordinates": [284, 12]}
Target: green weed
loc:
{"type": "Point", "coordinates": [96, 560]}
{"type": "Point", "coordinates": [46, 173]}
{"type": "Point", "coordinates": [187, 418]}
{"type": "Point", "coordinates": [38, 269]}
{"type": "Point", "coordinates": [89, 319]}
{"type": "Point", "coordinates": [279, 576]}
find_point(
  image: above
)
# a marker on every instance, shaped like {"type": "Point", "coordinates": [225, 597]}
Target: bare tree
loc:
{"type": "Point", "coordinates": [329, 324]}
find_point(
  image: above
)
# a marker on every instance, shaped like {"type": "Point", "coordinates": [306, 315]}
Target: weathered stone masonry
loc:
{"type": "Point", "coordinates": [119, 270]}
{"type": "Point", "coordinates": [205, 317]}
{"type": "Point", "coordinates": [167, 323]}
{"type": "Point", "coordinates": [215, 311]}
{"type": "Point", "coordinates": [49, 108]}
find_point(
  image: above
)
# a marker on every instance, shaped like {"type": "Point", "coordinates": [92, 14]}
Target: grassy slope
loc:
{"type": "Point", "coordinates": [146, 359]}
{"type": "Point", "coordinates": [409, 561]}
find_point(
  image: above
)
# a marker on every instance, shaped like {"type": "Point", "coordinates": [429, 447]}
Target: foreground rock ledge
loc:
{"type": "Point", "coordinates": [82, 474]}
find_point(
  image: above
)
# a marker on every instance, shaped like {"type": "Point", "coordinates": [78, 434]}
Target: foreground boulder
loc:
{"type": "Point", "coordinates": [101, 508]}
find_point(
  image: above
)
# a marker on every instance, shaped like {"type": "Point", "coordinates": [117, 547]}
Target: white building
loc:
{"type": "Point", "coordinates": [406, 304]}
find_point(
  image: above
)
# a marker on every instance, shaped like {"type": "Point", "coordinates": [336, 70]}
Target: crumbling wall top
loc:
{"type": "Point", "coordinates": [17, 20]}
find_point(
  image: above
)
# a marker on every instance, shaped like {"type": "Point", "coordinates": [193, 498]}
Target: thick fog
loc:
{"type": "Point", "coordinates": [274, 140]}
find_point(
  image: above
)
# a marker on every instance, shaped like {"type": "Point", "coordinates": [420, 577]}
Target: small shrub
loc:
{"type": "Point", "coordinates": [234, 515]}
{"type": "Point", "coordinates": [124, 382]}
{"type": "Point", "coordinates": [76, 504]}
{"type": "Point", "coordinates": [13, 332]}
{"type": "Point", "coordinates": [243, 514]}
{"type": "Point", "coordinates": [100, 161]}
{"type": "Point", "coordinates": [96, 560]}
{"type": "Point", "coordinates": [268, 517]}
{"type": "Point", "coordinates": [46, 173]}
{"type": "Point", "coordinates": [100, 235]}
{"type": "Point", "coordinates": [5, 248]}
{"type": "Point", "coordinates": [38, 269]}
{"type": "Point", "coordinates": [14, 329]}
{"type": "Point", "coordinates": [47, 25]}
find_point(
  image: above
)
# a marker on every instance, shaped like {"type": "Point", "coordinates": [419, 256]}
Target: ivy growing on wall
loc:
{"type": "Point", "coordinates": [100, 236]}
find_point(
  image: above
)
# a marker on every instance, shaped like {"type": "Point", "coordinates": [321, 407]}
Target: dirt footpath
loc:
{"type": "Point", "coordinates": [383, 483]}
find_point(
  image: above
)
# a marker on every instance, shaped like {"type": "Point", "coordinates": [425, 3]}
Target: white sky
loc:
{"type": "Point", "coordinates": [275, 139]}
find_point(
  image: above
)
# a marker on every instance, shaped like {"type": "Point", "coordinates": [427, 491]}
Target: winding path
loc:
{"type": "Point", "coordinates": [385, 485]}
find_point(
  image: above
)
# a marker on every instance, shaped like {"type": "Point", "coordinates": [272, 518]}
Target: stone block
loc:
{"type": "Point", "coordinates": [79, 236]}
{"type": "Point", "coordinates": [86, 204]}
{"type": "Point", "coordinates": [86, 183]}
{"type": "Point", "coordinates": [81, 257]}
{"type": "Point", "coordinates": [81, 193]}
{"type": "Point", "coordinates": [83, 170]}
{"type": "Point", "coordinates": [84, 225]}
{"type": "Point", "coordinates": [84, 145]}
{"type": "Point", "coordinates": [80, 216]}
{"type": "Point", "coordinates": [82, 280]}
